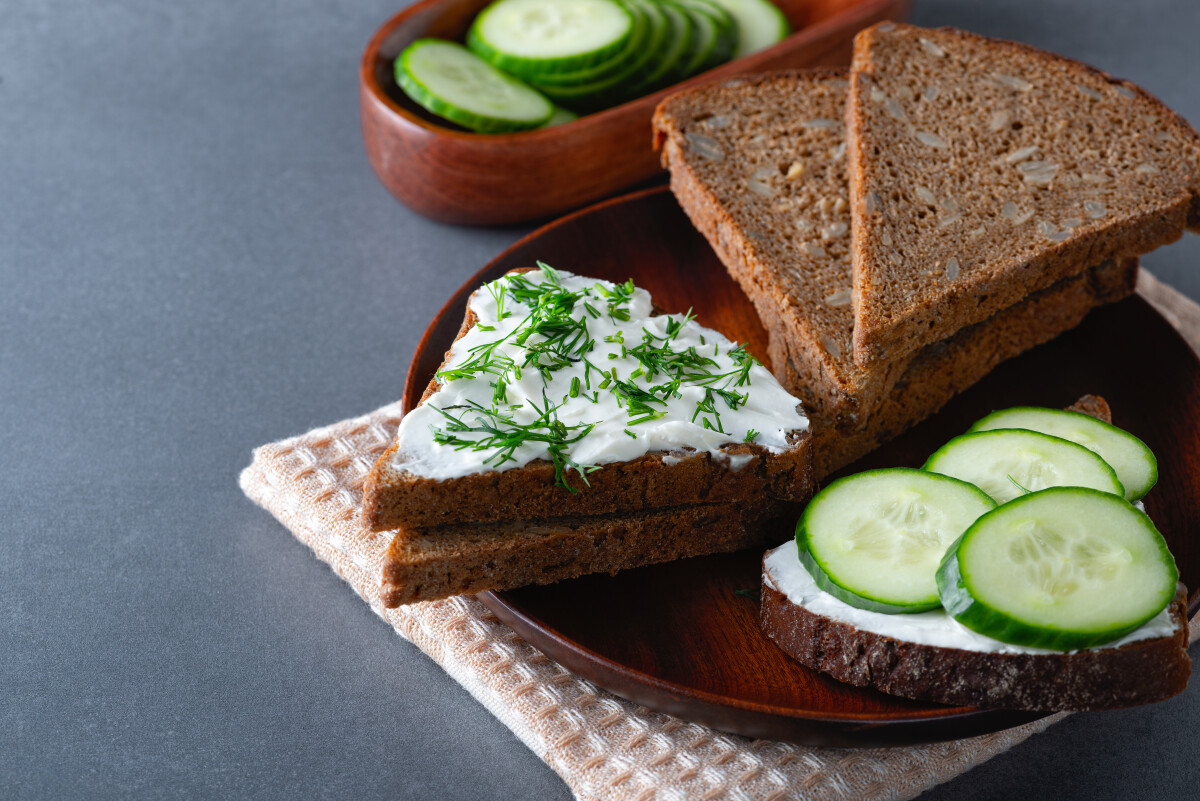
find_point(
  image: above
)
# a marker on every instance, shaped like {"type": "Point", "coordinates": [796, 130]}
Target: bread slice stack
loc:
{"type": "Point", "coordinates": [493, 529]}
{"type": "Point", "coordinates": [904, 227]}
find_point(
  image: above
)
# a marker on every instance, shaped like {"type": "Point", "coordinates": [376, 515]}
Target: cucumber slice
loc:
{"type": "Point", "coordinates": [660, 45]}
{"type": "Point", "coordinates": [1128, 456]}
{"type": "Point", "coordinates": [535, 37]}
{"type": "Point", "coordinates": [1064, 568]}
{"type": "Point", "coordinates": [726, 31]}
{"type": "Point", "coordinates": [705, 36]}
{"type": "Point", "coordinates": [610, 90]}
{"type": "Point", "coordinates": [875, 539]}
{"type": "Point", "coordinates": [677, 48]}
{"type": "Point", "coordinates": [616, 63]}
{"type": "Point", "coordinates": [760, 24]}
{"type": "Point", "coordinates": [1005, 463]}
{"type": "Point", "coordinates": [454, 83]}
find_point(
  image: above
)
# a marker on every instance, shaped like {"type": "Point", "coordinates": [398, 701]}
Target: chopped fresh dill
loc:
{"type": "Point", "coordinates": [504, 435]}
{"type": "Point", "coordinates": [554, 335]}
{"type": "Point", "coordinates": [1018, 486]}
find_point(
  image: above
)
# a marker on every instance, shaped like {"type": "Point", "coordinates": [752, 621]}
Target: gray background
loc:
{"type": "Point", "coordinates": [195, 258]}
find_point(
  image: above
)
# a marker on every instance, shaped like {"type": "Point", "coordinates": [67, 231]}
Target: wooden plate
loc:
{"type": "Point", "coordinates": [677, 637]}
{"type": "Point", "coordinates": [457, 176]}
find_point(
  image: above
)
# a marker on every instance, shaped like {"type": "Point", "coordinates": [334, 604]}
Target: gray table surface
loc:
{"type": "Point", "coordinates": [195, 258]}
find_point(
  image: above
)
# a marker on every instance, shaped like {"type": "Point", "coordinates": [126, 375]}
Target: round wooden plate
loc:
{"type": "Point", "coordinates": [679, 637]}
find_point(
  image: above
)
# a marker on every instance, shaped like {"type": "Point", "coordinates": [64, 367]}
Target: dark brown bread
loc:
{"type": "Point", "coordinates": [763, 185]}
{"type": "Point", "coordinates": [982, 170]}
{"type": "Point", "coordinates": [1135, 673]}
{"type": "Point", "coordinates": [945, 369]}
{"type": "Point", "coordinates": [758, 165]}
{"type": "Point", "coordinates": [395, 497]}
{"type": "Point", "coordinates": [426, 564]}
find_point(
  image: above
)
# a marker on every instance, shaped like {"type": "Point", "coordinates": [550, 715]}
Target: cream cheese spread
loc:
{"type": "Point", "coordinates": [783, 572]}
{"type": "Point", "coordinates": [613, 383]}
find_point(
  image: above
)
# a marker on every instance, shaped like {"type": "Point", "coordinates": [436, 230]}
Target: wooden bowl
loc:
{"type": "Point", "coordinates": [456, 176]}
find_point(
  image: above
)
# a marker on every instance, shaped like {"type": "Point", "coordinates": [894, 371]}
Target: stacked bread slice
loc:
{"type": "Point", "coordinates": [893, 243]}
{"type": "Point", "coordinates": [485, 527]}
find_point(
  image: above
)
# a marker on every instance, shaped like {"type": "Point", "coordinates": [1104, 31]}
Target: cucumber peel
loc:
{"type": "Point", "coordinates": [874, 540]}
{"type": "Point", "coordinates": [1063, 568]}
{"type": "Point", "coordinates": [1130, 459]}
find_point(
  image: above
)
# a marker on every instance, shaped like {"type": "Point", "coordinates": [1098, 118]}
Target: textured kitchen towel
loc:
{"type": "Point", "coordinates": [603, 746]}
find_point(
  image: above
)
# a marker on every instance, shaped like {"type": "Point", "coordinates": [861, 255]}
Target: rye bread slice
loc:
{"type": "Point", "coordinates": [396, 497]}
{"type": "Point", "coordinates": [944, 369]}
{"type": "Point", "coordinates": [982, 170]}
{"type": "Point", "coordinates": [757, 164]}
{"type": "Point", "coordinates": [1140, 672]}
{"type": "Point", "coordinates": [427, 564]}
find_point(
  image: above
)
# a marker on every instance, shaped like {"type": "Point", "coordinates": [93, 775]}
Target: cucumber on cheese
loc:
{"type": "Point", "coordinates": [454, 83]}
{"type": "Point", "coordinates": [1128, 456]}
{"type": "Point", "coordinates": [1006, 463]}
{"type": "Point", "coordinates": [874, 540]}
{"type": "Point", "coordinates": [1064, 568]}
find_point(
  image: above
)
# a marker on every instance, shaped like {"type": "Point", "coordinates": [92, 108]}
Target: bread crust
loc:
{"type": "Point", "coordinates": [427, 564]}
{"type": "Point", "coordinates": [1136, 673]}
{"type": "Point", "coordinates": [886, 331]}
{"type": "Point", "coordinates": [394, 497]}
{"type": "Point", "coordinates": [945, 369]}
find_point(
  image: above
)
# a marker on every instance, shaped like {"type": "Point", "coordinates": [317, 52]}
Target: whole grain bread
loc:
{"type": "Point", "coordinates": [758, 165]}
{"type": "Point", "coordinates": [982, 170]}
{"type": "Point", "coordinates": [944, 369]}
{"type": "Point", "coordinates": [1140, 672]}
{"type": "Point", "coordinates": [424, 564]}
{"type": "Point", "coordinates": [396, 497]}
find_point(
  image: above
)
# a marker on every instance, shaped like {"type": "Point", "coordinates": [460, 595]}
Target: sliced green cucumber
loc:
{"type": "Point", "coordinates": [725, 33]}
{"type": "Point", "coordinates": [534, 37]}
{"type": "Point", "coordinates": [659, 46]}
{"type": "Point", "coordinates": [760, 24]}
{"type": "Point", "coordinates": [454, 83]}
{"type": "Point", "coordinates": [1128, 456]}
{"type": "Point", "coordinates": [1064, 568]}
{"type": "Point", "coordinates": [679, 42]}
{"type": "Point", "coordinates": [875, 539]}
{"type": "Point", "coordinates": [616, 63]}
{"type": "Point", "coordinates": [1005, 463]}
{"type": "Point", "coordinates": [705, 36]}
{"type": "Point", "coordinates": [610, 90]}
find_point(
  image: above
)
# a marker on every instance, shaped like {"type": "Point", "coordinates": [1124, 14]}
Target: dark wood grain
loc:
{"type": "Point", "coordinates": [678, 637]}
{"type": "Point", "coordinates": [456, 176]}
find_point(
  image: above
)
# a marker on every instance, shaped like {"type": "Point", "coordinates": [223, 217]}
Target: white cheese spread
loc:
{"type": "Point", "coordinates": [783, 572]}
{"type": "Point", "coordinates": [524, 384]}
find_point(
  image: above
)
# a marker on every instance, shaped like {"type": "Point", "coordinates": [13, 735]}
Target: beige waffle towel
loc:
{"type": "Point", "coordinates": [603, 746]}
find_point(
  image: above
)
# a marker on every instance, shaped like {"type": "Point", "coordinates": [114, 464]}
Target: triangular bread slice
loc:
{"type": "Point", "coordinates": [758, 166]}
{"type": "Point", "coordinates": [863, 648]}
{"type": "Point", "coordinates": [395, 496]}
{"type": "Point", "coordinates": [982, 170]}
{"type": "Point", "coordinates": [425, 564]}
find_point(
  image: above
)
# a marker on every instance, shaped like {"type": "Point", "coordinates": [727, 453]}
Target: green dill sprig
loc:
{"type": "Point", "coordinates": [503, 435]}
